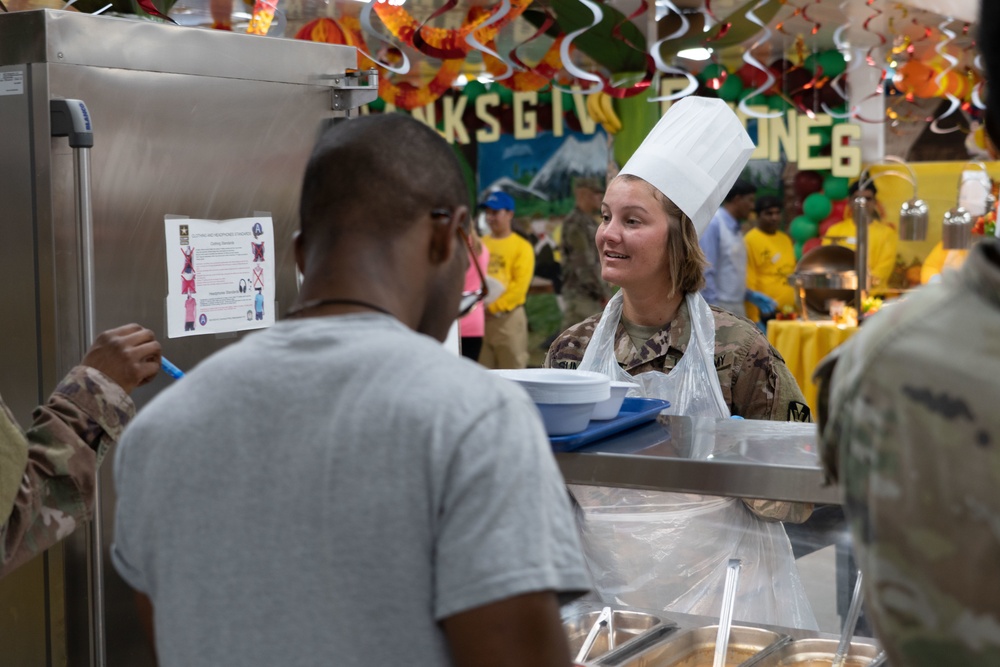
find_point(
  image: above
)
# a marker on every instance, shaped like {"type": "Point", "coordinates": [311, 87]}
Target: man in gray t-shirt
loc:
{"type": "Point", "coordinates": [340, 489]}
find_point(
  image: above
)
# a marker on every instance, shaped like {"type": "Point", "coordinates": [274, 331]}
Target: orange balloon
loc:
{"type": "Point", "coordinates": [912, 77]}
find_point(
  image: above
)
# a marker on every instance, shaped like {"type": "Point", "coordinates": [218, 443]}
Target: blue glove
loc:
{"type": "Point", "coordinates": [764, 303]}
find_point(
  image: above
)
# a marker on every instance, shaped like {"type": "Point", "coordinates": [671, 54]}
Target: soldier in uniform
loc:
{"type": "Point", "coordinates": [584, 293]}
{"type": "Point", "coordinates": [910, 427]}
{"type": "Point", "coordinates": [659, 332]}
{"type": "Point", "coordinates": [47, 474]}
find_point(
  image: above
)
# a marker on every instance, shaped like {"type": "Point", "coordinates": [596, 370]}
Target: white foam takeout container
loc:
{"type": "Point", "coordinates": [565, 399]}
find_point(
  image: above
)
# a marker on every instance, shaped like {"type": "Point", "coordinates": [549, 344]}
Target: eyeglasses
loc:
{"type": "Point", "coordinates": [469, 299]}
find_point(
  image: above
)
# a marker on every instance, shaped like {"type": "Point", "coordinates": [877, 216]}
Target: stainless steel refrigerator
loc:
{"type": "Point", "coordinates": [185, 121]}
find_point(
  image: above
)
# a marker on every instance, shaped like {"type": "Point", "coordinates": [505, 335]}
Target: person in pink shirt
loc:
{"type": "Point", "coordinates": [471, 326]}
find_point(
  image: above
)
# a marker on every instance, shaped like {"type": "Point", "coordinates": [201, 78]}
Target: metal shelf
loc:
{"type": "Point", "coordinates": [722, 457]}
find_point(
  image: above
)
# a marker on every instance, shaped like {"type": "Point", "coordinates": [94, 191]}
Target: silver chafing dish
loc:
{"type": "Point", "coordinates": [823, 274]}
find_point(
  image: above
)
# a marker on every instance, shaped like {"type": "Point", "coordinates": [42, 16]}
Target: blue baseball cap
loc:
{"type": "Point", "coordinates": [498, 201]}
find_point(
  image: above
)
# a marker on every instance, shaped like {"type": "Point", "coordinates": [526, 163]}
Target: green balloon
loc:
{"type": "Point", "coordinates": [798, 250]}
{"type": "Point", "coordinates": [832, 62]}
{"type": "Point", "coordinates": [377, 105]}
{"type": "Point", "coordinates": [713, 71]}
{"type": "Point", "coordinates": [802, 229]}
{"type": "Point", "coordinates": [835, 187]}
{"type": "Point", "coordinates": [474, 89]}
{"type": "Point", "coordinates": [545, 97]}
{"type": "Point", "coordinates": [506, 94]}
{"type": "Point", "coordinates": [731, 88]}
{"type": "Point", "coordinates": [817, 207]}
{"type": "Point", "coordinates": [777, 103]}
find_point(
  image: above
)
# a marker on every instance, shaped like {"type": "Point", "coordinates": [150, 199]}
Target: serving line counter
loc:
{"type": "Point", "coordinates": [719, 457]}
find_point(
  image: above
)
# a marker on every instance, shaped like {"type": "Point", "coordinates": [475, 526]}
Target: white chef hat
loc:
{"type": "Point", "coordinates": [693, 156]}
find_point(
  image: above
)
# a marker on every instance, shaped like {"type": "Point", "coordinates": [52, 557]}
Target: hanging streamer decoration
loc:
{"type": "Point", "coordinates": [749, 59]}
{"type": "Point", "coordinates": [939, 79]}
{"type": "Point", "coordinates": [564, 53]}
{"type": "Point", "coordinates": [471, 40]}
{"type": "Point", "coordinates": [622, 92]}
{"type": "Point", "coordinates": [842, 45]}
{"type": "Point", "coordinates": [366, 24]}
{"type": "Point", "coordinates": [669, 69]}
{"type": "Point", "coordinates": [977, 90]}
{"type": "Point", "coordinates": [870, 60]}
{"type": "Point", "coordinates": [530, 78]}
{"type": "Point", "coordinates": [443, 43]}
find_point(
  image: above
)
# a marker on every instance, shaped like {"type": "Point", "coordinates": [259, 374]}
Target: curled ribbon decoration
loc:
{"type": "Point", "coordinates": [952, 63]}
{"type": "Point", "coordinates": [843, 47]}
{"type": "Point", "coordinates": [749, 59]}
{"type": "Point", "coordinates": [663, 67]}
{"type": "Point", "coordinates": [870, 60]}
{"type": "Point", "coordinates": [471, 40]}
{"type": "Point", "coordinates": [366, 25]}
{"type": "Point", "coordinates": [711, 15]}
{"type": "Point", "coordinates": [577, 72]}
{"type": "Point", "coordinates": [977, 95]}
{"type": "Point", "coordinates": [622, 92]}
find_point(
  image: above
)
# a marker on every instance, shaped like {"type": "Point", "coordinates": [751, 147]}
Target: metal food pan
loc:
{"type": "Point", "coordinates": [817, 653]}
{"type": "Point", "coordinates": [696, 647]}
{"type": "Point", "coordinates": [627, 625]}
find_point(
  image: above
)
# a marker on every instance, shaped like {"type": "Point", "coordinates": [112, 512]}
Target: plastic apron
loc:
{"type": "Point", "coordinates": [669, 551]}
{"type": "Point", "coordinates": [731, 274]}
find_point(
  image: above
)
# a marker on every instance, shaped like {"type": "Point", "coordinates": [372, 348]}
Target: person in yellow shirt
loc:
{"type": "Point", "coordinates": [882, 238]}
{"type": "Point", "coordinates": [940, 259]}
{"type": "Point", "coordinates": [512, 262]}
{"type": "Point", "coordinates": [770, 258]}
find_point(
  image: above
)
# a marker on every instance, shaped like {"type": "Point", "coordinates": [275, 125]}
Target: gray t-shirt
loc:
{"type": "Point", "coordinates": [328, 490]}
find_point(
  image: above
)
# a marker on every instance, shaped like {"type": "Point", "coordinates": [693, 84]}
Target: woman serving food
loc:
{"type": "Point", "coordinates": [667, 550]}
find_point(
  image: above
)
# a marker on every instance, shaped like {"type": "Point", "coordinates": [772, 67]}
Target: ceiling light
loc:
{"type": "Point", "coordinates": [695, 54]}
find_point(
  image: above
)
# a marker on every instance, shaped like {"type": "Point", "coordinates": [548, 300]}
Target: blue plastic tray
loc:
{"type": "Point", "coordinates": [634, 411]}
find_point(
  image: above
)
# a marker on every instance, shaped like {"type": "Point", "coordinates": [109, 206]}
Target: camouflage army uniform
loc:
{"type": "Point", "coordinates": [47, 474]}
{"type": "Point", "coordinates": [755, 382]}
{"type": "Point", "coordinates": [583, 291]}
{"type": "Point", "coordinates": [912, 426]}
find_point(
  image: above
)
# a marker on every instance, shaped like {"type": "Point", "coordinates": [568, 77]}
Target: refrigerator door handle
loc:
{"type": "Point", "coordinates": [70, 118]}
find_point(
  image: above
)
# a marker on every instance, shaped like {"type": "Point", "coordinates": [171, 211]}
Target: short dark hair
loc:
{"type": "Point", "coordinates": [377, 175]}
{"type": "Point", "coordinates": [740, 188]}
{"type": "Point", "coordinates": [766, 202]}
{"type": "Point", "coordinates": [856, 185]}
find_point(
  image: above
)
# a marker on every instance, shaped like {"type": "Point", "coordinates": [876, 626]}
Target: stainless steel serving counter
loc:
{"type": "Point", "coordinates": [722, 457]}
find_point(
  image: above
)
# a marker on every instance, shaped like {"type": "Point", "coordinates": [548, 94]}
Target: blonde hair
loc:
{"type": "Point", "coordinates": [685, 258]}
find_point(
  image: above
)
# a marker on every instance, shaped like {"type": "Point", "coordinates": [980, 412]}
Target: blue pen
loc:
{"type": "Point", "coordinates": [170, 369]}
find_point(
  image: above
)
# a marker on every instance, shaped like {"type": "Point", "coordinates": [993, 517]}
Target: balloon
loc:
{"type": "Point", "coordinates": [802, 229]}
{"type": "Point", "coordinates": [777, 103]}
{"type": "Point", "coordinates": [731, 89]}
{"type": "Point", "coordinates": [377, 105]}
{"type": "Point", "coordinates": [839, 209]}
{"type": "Point", "coordinates": [830, 63]}
{"type": "Point", "coordinates": [751, 76]}
{"type": "Point", "coordinates": [829, 96]}
{"type": "Point", "coordinates": [806, 183]}
{"type": "Point", "coordinates": [825, 135]}
{"type": "Point", "coordinates": [816, 207]}
{"type": "Point", "coordinates": [811, 243]}
{"type": "Point", "coordinates": [474, 89]}
{"type": "Point", "coordinates": [713, 71]}
{"type": "Point", "coordinates": [506, 94]}
{"type": "Point", "coordinates": [835, 187]}
{"type": "Point", "coordinates": [795, 80]}
{"type": "Point", "coordinates": [798, 251]}
{"type": "Point", "coordinates": [830, 221]}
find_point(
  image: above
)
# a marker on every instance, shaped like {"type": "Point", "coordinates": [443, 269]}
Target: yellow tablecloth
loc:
{"type": "Point", "coordinates": [803, 345]}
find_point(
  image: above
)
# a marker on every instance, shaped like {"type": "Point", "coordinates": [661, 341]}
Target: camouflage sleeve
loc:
{"type": "Point", "coordinates": [68, 438]}
{"type": "Point", "coordinates": [764, 388]}
{"type": "Point", "coordinates": [566, 351]}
